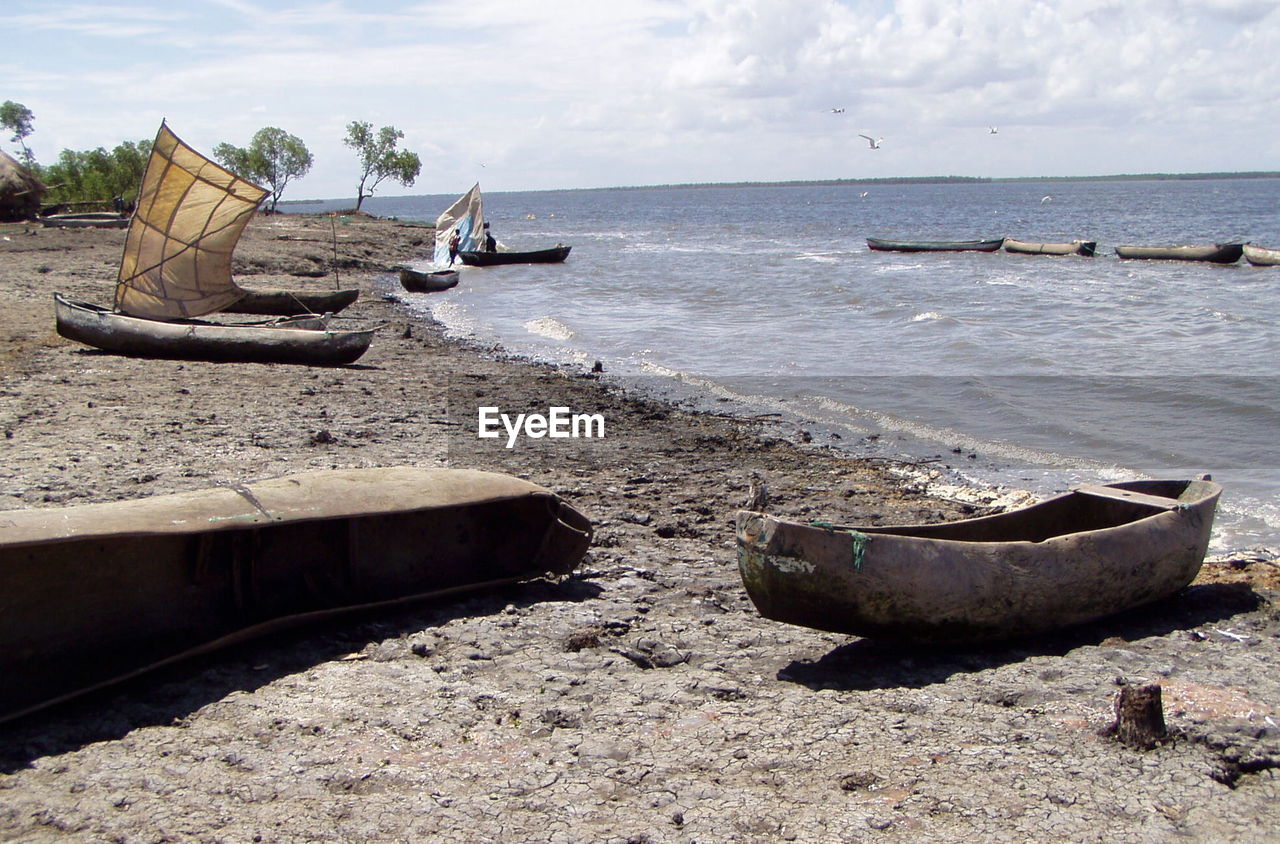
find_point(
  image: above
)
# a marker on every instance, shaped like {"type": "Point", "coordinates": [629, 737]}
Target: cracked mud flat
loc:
{"type": "Point", "coordinates": [642, 699]}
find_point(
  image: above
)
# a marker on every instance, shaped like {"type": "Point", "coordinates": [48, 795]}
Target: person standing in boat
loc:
{"type": "Point", "coordinates": [490, 242]}
{"type": "Point", "coordinates": [455, 241]}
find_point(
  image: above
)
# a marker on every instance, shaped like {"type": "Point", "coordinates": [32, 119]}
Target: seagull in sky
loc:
{"type": "Point", "coordinates": [837, 111]}
{"type": "Point", "coordinates": [992, 130]}
{"type": "Point", "coordinates": [874, 142]}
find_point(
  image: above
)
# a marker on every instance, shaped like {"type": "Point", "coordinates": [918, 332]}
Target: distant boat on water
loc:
{"type": "Point", "coordinates": [877, 244]}
{"type": "Point", "coordinates": [1260, 256]}
{"type": "Point", "coordinates": [1086, 248]}
{"type": "Point", "coordinates": [1218, 253]}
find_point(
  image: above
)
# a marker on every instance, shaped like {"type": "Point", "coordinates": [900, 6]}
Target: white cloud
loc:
{"type": "Point", "coordinates": [568, 93]}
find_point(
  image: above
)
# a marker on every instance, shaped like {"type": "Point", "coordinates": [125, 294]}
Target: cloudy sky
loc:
{"type": "Point", "coordinates": [544, 94]}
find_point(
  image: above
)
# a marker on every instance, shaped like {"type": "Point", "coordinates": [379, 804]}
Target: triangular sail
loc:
{"type": "Point", "coordinates": [467, 216]}
{"type": "Point", "coordinates": [190, 214]}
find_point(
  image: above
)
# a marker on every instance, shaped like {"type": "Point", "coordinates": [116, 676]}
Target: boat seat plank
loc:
{"type": "Point", "coordinates": [1100, 491]}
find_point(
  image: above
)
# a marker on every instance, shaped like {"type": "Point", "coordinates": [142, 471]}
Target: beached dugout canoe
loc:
{"type": "Point", "coordinates": [539, 256]}
{"type": "Point", "coordinates": [428, 281]}
{"type": "Point", "coordinates": [95, 593]}
{"type": "Point", "coordinates": [292, 302]}
{"type": "Point", "coordinates": [85, 220]}
{"type": "Point", "coordinates": [880, 245]}
{"type": "Point", "coordinates": [1086, 248]}
{"type": "Point", "coordinates": [1218, 253]}
{"type": "Point", "coordinates": [1260, 256]}
{"type": "Point", "coordinates": [1083, 555]}
{"type": "Point", "coordinates": [296, 340]}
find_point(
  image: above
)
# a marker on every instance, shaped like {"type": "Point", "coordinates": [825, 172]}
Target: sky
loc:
{"type": "Point", "coordinates": [554, 94]}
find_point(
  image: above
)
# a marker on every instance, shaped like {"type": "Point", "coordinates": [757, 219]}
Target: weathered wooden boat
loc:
{"type": "Point", "coordinates": [554, 255]}
{"type": "Point", "coordinates": [1083, 555]}
{"type": "Point", "coordinates": [292, 302]}
{"type": "Point", "coordinates": [1218, 253]}
{"type": "Point", "coordinates": [85, 220]}
{"type": "Point", "coordinates": [176, 266]}
{"type": "Point", "coordinates": [96, 593]}
{"type": "Point", "coordinates": [309, 341]}
{"type": "Point", "coordinates": [877, 244]}
{"type": "Point", "coordinates": [1086, 248]}
{"type": "Point", "coordinates": [428, 281]}
{"type": "Point", "coordinates": [1260, 256]}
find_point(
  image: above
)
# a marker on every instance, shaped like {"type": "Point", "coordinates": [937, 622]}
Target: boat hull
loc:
{"type": "Point", "coordinates": [428, 281]}
{"type": "Point", "coordinates": [1261, 257]}
{"type": "Point", "coordinates": [297, 342]}
{"type": "Point", "coordinates": [490, 259]}
{"type": "Point", "coordinates": [1219, 253]}
{"type": "Point", "coordinates": [92, 594]}
{"type": "Point", "coordinates": [880, 245]}
{"type": "Point", "coordinates": [1068, 560]}
{"type": "Point", "coordinates": [85, 220]}
{"type": "Point", "coordinates": [1085, 248]}
{"type": "Point", "coordinates": [293, 302]}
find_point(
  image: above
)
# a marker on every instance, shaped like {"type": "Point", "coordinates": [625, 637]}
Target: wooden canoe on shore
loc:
{"type": "Point", "coordinates": [85, 220]}
{"type": "Point", "coordinates": [1218, 253]}
{"type": "Point", "coordinates": [1086, 248]}
{"type": "Point", "coordinates": [96, 593]}
{"type": "Point", "coordinates": [539, 256]}
{"type": "Point", "coordinates": [1260, 256]}
{"type": "Point", "coordinates": [1083, 555]}
{"type": "Point", "coordinates": [298, 340]}
{"type": "Point", "coordinates": [880, 245]}
{"type": "Point", "coordinates": [292, 302]}
{"type": "Point", "coordinates": [428, 281]}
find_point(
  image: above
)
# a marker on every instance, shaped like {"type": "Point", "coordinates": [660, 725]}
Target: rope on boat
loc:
{"type": "Point", "coordinates": [857, 539]}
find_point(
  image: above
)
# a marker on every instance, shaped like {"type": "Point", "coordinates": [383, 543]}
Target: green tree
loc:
{"type": "Point", "coordinates": [379, 158]}
{"type": "Point", "coordinates": [273, 157]}
{"type": "Point", "coordinates": [98, 175]}
{"type": "Point", "coordinates": [17, 119]}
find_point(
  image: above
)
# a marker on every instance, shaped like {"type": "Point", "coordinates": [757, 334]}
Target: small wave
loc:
{"type": "Point", "coordinates": [927, 316]}
{"type": "Point", "coordinates": [549, 327]}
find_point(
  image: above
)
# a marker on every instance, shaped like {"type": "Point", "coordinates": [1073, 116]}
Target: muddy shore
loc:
{"type": "Point", "coordinates": [642, 699]}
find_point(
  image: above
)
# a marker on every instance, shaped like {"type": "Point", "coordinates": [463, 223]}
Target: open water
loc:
{"type": "Point", "coordinates": [1028, 371]}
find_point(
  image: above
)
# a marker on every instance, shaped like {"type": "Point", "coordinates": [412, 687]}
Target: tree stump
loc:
{"type": "Point", "coordinates": [1139, 716]}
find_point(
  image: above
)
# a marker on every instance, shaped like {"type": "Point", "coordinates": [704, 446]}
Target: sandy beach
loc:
{"type": "Point", "coordinates": [641, 700]}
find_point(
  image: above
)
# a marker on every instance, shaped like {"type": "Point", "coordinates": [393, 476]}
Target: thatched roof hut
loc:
{"type": "Point", "coordinates": [20, 190]}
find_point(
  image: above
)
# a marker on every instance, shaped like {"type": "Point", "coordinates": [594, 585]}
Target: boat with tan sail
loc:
{"type": "Point", "coordinates": [176, 268]}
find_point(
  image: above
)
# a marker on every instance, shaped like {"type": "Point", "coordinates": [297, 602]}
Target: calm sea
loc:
{"type": "Point", "coordinates": [1025, 371]}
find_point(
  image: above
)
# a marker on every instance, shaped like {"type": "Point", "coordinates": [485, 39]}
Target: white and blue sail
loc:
{"type": "Point", "coordinates": [466, 216]}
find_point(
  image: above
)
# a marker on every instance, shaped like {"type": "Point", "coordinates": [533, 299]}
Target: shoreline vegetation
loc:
{"type": "Point", "coordinates": [887, 180]}
{"type": "Point", "coordinates": [642, 698]}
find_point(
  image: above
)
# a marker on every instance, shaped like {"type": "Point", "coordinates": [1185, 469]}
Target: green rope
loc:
{"type": "Point", "coordinates": [857, 539]}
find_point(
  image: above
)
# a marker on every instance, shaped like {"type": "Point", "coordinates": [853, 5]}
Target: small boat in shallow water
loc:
{"type": "Point", "coordinates": [1086, 248]}
{"type": "Point", "coordinates": [1218, 253]}
{"type": "Point", "coordinates": [1083, 555]}
{"type": "Point", "coordinates": [96, 593]}
{"type": "Point", "coordinates": [1260, 256]}
{"type": "Point", "coordinates": [553, 255]}
{"type": "Point", "coordinates": [428, 281]}
{"type": "Point", "coordinates": [877, 244]}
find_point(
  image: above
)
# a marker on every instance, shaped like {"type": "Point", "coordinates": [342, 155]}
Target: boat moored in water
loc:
{"type": "Point", "coordinates": [1260, 256]}
{"type": "Point", "coordinates": [877, 244]}
{"type": "Point", "coordinates": [1086, 248]}
{"type": "Point", "coordinates": [428, 281]}
{"type": "Point", "coordinates": [554, 255]}
{"type": "Point", "coordinates": [1218, 253]}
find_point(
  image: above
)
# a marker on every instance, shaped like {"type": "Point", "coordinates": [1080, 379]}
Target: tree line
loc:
{"type": "Point", "coordinates": [273, 158]}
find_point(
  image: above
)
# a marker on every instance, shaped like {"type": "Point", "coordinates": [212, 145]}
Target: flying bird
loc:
{"type": "Point", "coordinates": [874, 142]}
{"type": "Point", "coordinates": [992, 130]}
{"type": "Point", "coordinates": [837, 111]}
{"type": "Point", "coordinates": [1044, 199]}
